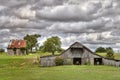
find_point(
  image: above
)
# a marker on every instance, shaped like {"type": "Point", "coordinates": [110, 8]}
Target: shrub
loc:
{"type": "Point", "coordinates": [87, 63]}
{"type": "Point", "coordinates": [59, 61]}
{"type": "Point", "coordinates": [110, 54]}
{"type": "Point", "coordinates": [100, 49]}
{"type": "Point", "coordinates": [2, 50]}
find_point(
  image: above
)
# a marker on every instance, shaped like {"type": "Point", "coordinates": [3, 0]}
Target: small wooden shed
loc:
{"type": "Point", "coordinates": [77, 53]}
{"type": "Point", "coordinates": [17, 47]}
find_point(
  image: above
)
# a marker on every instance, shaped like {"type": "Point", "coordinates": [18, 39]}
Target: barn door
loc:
{"type": "Point", "coordinates": [77, 61]}
{"type": "Point", "coordinates": [98, 61]}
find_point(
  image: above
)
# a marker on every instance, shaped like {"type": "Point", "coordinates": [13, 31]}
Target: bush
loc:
{"type": "Point", "coordinates": [59, 61]}
{"type": "Point", "coordinates": [100, 49]}
{"type": "Point", "coordinates": [110, 54]}
{"type": "Point", "coordinates": [2, 50]}
{"type": "Point", "coordinates": [87, 63]}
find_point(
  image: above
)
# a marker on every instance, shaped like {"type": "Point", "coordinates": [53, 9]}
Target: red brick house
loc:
{"type": "Point", "coordinates": [17, 47]}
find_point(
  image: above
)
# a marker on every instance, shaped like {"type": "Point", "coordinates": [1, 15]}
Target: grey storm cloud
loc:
{"type": "Point", "coordinates": [92, 22]}
{"type": "Point", "coordinates": [98, 25]}
{"type": "Point", "coordinates": [66, 13]}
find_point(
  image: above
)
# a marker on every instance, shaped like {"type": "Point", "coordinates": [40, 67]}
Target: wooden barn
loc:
{"type": "Point", "coordinates": [17, 47]}
{"type": "Point", "coordinates": [78, 54]}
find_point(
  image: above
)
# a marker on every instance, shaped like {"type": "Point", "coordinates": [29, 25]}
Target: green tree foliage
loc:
{"type": "Point", "coordinates": [52, 45]}
{"type": "Point", "coordinates": [31, 40]}
{"type": "Point", "coordinates": [100, 49]}
{"type": "Point", "coordinates": [2, 50]}
{"type": "Point", "coordinates": [109, 49]}
{"type": "Point", "coordinates": [23, 50]}
{"type": "Point", "coordinates": [110, 53]}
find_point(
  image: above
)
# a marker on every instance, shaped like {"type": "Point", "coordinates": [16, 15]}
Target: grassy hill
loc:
{"type": "Point", "coordinates": [28, 68]}
{"type": "Point", "coordinates": [117, 55]}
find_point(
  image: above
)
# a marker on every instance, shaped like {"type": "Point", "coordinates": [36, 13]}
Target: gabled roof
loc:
{"type": "Point", "coordinates": [79, 45]}
{"type": "Point", "coordinates": [17, 44]}
{"type": "Point", "coordinates": [75, 45]}
{"type": "Point", "coordinates": [85, 48]}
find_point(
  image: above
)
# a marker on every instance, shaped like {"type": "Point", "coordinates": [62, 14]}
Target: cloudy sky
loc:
{"type": "Point", "coordinates": [92, 22]}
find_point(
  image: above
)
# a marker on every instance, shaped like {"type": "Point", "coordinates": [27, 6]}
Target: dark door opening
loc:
{"type": "Point", "coordinates": [77, 61]}
{"type": "Point", "coordinates": [98, 61]}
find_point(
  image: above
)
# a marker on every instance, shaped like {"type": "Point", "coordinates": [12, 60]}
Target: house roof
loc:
{"type": "Point", "coordinates": [17, 44]}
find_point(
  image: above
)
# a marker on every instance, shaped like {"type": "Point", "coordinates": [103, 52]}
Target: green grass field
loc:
{"type": "Point", "coordinates": [24, 68]}
{"type": "Point", "coordinates": [117, 55]}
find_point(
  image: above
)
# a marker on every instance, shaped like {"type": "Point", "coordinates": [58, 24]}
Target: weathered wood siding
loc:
{"type": "Point", "coordinates": [48, 61]}
{"type": "Point", "coordinates": [18, 52]}
{"type": "Point", "coordinates": [111, 62]}
{"type": "Point", "coordinates": [10, 51]}
{"type": "Point", "coordinates": [86, 56]}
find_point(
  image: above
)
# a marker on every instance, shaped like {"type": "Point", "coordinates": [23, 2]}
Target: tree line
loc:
{"type": "Point", "coordinates": [2, 50]}
{"type": "Point", "coordinates": [108, 50]}
{"type": "Point", "coordinates": [51, 45]}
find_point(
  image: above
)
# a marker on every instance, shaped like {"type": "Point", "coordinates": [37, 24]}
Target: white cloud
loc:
{"type": "Point", "coordinates": [26, 12]}
{"type": "Point", "coordinates": [66, 13]}
{"type": "Point", "coordinates": [2, 7]}
{"type": "Point", "coordinates": [106, 34]}
{"type": "Point", "coordinates": [4, 30]}
{"type": "Point", "coordinates": [16, 21]}
{"type": "Point", "coordinates": [88, 21]}
{"type": "Point", "coordinates": [10, 21]}
{"type": "Point", "coordinates": [118, 44]}
{"type": "Point", "coordinates": [81, 27]}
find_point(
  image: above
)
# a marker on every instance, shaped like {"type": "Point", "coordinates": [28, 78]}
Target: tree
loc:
{"type": "Point", "coordinates": [2, 50]}
{"type": "Point", "coordinates": [100, 49]}
{"type": "Point", "coordinates": [109, 49]}
{"type": "Point", "coordinates": [52, 45]}
{"type": "Point", "coordinates": [110, 53]}
{"type": "Point", "coordinates": [37, 47]}
{"type": "Point", "coordinates": [31, 40]}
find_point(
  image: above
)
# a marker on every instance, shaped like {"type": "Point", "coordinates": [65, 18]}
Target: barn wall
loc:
{"type": "Point", "coordinates": [18, 52]}
{"type": "Point", "coordinates": [10, 51]}
{"type": "Point", "coordinates": [47, 61]}
{"type": "Point", "coordinates": [111, 62]}
{"type": "Point", "coordinates": [86, 57]}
